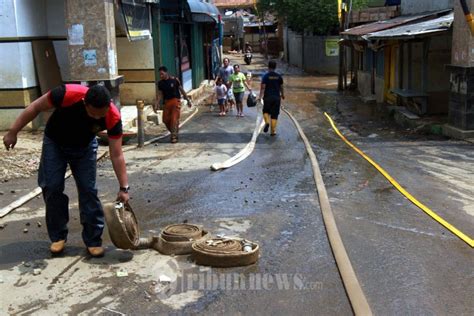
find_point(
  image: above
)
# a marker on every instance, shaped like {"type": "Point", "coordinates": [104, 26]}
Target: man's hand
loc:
{"type": "Point", "coordinates": [156, 106]}
{"type": "Point", "coordinates": [190, 104]}
{"type": "Point", "coordinates": [123, 197]}
{"type": "Point", "coordinates": [283, 97]}
{"type": "Point", "coordinates": [9, 140]}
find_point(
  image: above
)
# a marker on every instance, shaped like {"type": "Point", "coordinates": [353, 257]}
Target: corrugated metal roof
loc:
{"type": "Point", "coordinates": [434, 25]}
{"type": "Point", "coordinates": [203, 11]}
{"type": "Point", "coordinates": [234, 3]}
{"type": "Point", "coordinates": [387, 24]}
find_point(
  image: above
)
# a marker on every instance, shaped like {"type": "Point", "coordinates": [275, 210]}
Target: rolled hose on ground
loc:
{"type": "Point", "coordinates": [225, 252]}
{"type": "Point", "coordinates": [123, 227]}
{"type": "Point", "coordinates": [124, 231]}
{"type": "Point", "coordinates": [177, 239]}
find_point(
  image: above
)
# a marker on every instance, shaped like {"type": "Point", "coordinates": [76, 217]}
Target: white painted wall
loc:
{"type": "Point", "coordinates": [31, 18]}
{"type": "Point", "coordinates": [17, 69]}
{"type": "Point", "coordinates": [7, 18]}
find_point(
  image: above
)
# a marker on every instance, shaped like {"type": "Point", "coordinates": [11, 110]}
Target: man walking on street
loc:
{"type": "Point", "coordinates": [272, 91]}
{"type": "Point", "coordinates": [170, 91]}
{"type": "Point", "coordinates": [70, 139]}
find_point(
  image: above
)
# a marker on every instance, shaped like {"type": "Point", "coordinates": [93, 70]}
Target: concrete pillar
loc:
{"type": "Point", "coordinates": [91, 35]}
{"type": "Point", "coordinates": [461, 103]}
{"type": "Point", "coordinates": [92, 48]}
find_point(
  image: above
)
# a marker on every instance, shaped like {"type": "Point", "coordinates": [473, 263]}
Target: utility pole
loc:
{"type": "Point", "coordinates": [341, 12]}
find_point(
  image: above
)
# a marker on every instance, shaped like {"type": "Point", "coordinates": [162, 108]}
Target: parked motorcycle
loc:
{"type": "Point", "coordinates": [248, 58]}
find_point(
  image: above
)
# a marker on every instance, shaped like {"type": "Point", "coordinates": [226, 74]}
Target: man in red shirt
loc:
{"type": "Point", "coordinates": [70, 139]}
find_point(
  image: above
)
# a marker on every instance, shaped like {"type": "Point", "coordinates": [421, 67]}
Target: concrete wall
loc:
{"type": "Point", "coordinates": [364, 86]}
{"type": "Point", "coordinates": [55, 18]}
{"type": "Point", "coordinates": [418, 6]}
{"type": "Point", "coordinates": [463, 41]}
{"type": "Point", "coordinates": [295, 46]}
{"type": "Point", "coordinates": [136, 64]}
{"type": "Point", "coordinates": [315, 59]}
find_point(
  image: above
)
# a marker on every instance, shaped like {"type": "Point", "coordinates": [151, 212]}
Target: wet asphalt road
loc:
{"type": "Point", "coordinates": [269, 198]}
{"type": "Point", "coordinates": [405, 262]}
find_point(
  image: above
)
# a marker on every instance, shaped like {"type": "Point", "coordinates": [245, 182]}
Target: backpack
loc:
{"type": "Point", "coordinates": [251, 100]}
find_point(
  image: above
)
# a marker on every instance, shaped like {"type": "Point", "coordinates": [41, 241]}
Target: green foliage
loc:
{"type": "Point", "coordinates": [317, 16]}
{"type": "Point", "coordinates": [359, 4]}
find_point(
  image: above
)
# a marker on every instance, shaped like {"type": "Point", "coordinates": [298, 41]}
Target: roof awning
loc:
{"type": "Point", "coordinates": [433, 26]}
{"type": "Point", "coordinates": [203, 12]}
{"type": "Point", "coordinates": [360, 31]}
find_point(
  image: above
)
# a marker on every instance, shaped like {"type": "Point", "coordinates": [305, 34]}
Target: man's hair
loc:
{"type": "Point", "coordinates": [226, 59]}
{"type": "Point", "coordinates": [163, 68]}
{"type": "Point", "coordinates": [236, 66]}
{"type": "Point", "coordinates": [98, 97]}
{"type": "Point", "coordinates": [272, 64]}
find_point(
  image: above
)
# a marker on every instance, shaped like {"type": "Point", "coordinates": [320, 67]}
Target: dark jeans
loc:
{"type": "Point", "coordinates": [82, 161]}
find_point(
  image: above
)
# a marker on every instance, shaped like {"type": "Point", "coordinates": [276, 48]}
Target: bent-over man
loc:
{"type": "Point", "coordinates": [70, 139]}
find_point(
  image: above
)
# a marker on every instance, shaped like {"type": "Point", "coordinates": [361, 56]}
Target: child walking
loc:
{"type": "Point", "coordinates": [230, 100]}
{"type": "Point", "coordinates": [221, 93]}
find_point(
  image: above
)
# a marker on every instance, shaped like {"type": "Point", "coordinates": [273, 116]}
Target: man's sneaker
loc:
{"type": "Point", "coordinates": [57, 247]}
{"type": "Point", "coordinates": [96, 252]}
{"type": "Point", "coordinates": [265, 129]}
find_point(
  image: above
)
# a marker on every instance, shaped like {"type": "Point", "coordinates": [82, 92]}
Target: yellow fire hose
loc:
{"type": "Point", "coordinates": [423, 207]}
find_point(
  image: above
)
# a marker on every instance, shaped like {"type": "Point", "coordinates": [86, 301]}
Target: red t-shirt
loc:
{"type": "Point", "coordinates": [70, 125]}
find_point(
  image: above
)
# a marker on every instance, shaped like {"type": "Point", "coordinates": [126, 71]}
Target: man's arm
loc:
{"type": "Point", "coordinates": [246, 84]}
{"type": "Point", "coordinates": [159, 97]}
{"type": "Point", "coordinates": [262, 91]}
{"type": "Point", "coordinates": [282, 92]}
{"type": "Point", "coordinates": [185, 96]}
{"type": "Point", "coordinates": [118, 163]}
{"type": "Point", "coordinates": [39, 105]}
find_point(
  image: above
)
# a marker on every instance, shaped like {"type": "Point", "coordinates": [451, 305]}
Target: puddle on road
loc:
{"type": "Point", "coordinates": [232, 227]}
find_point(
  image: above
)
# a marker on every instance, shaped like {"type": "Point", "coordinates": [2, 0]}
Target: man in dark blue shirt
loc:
{"type": "Point", "coordinates": [272, 91]}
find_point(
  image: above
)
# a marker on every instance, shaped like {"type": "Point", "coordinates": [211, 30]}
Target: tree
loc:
{"type": "Point", "coordinates": [317, 16]}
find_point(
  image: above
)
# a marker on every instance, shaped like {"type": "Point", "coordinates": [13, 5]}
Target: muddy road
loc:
{"type": "Point", "coordinates": [405, 262]}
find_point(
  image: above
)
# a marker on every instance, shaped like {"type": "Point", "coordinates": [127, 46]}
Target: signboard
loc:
{"type": "Point", "coordinates": [76, 34]}
{"type": "Point", "coordinates": [332, 47]}
{"type": "Point", "coordinates": [90, 57]}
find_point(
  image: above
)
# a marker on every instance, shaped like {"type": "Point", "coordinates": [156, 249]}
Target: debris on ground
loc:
{"type": "Point", "coordinates": [122, 273]}
{"type": "Point", "coordinates": [36, 271]}
{"type": "Point", "coordinates": [164, 279]}
{"type": "Point", "coordinates": [23, 160]}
